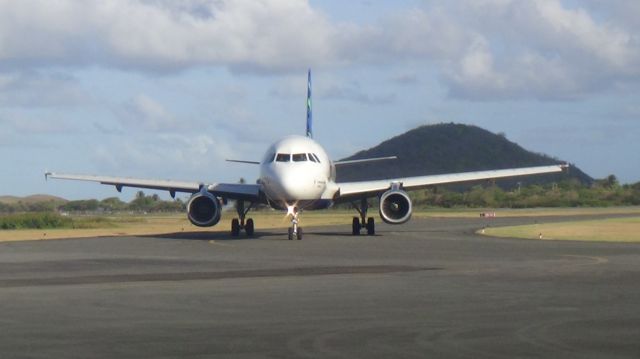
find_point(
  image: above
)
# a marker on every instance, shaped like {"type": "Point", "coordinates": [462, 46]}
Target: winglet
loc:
{"type": "Point", "coordinates": [309, 112]}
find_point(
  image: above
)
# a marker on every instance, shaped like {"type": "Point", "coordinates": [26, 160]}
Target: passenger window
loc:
{"type": "Point", "coordinates": [283, 157]}
{"type": "Point", "coordinates": [299, 157]}
{"type": "Point", "coordinates": [311, 158]}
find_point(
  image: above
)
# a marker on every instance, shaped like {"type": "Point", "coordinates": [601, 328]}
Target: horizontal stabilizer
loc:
{"type": "Point", "coordinates": [243, 161]}
{"type": "Point", "coordinates": [364, 160]}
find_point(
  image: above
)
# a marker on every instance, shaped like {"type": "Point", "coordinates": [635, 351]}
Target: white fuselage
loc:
{"type": "Point", "coordinates": [297, 171]}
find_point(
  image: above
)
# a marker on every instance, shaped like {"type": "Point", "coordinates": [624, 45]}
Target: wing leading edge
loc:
{"type": "Point", "coordinates": [369, 188]}
{"type": "Point", "coordinates": [226, 190]}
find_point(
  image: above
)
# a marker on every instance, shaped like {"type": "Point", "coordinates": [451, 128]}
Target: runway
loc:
{"type": "Point", "coordinates": [429, 288]}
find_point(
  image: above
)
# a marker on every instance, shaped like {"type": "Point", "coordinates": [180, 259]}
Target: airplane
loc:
{"type": "Point", "coordinates": [296, 174]}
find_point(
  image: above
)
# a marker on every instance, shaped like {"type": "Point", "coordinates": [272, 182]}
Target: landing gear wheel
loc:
{"type": "Point", "coordinates": [290, 233]}
{"type": "Point", "coordinates": [235, 227]}
{"type": "Point", "coordinates": [248, 228]}
{"type": "Point", "coordinates": [299, 234]}
{"type": "Point", "coordinates": [371, 226]}
{"type": "Point", "coordinates": [355, 226]}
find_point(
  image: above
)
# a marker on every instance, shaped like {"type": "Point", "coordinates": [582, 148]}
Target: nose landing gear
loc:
{"type": "Point", "coordinates": [294, 230]}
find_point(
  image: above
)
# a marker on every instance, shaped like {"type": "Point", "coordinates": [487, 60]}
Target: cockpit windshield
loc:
{"type": "Point", "coordinates": [299, 157]}
{"type": "Point", "coordinates": [296, 157]}
{"type": "Point", "coordinates": [283, 157]}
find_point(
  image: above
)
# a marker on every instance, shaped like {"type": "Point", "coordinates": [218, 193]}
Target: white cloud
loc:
{"type": "Point", "coordinates": [354, 92]}
{"type": "Point", "coordinates": [164, 153]}
{"type": "Point", "coordinates": [543, 49]}
{"type": "Point", "coordinates": [264, 34]}
{"type": "Point", "coordinates": [492, 49]}
{"type": "Point", "coordinates": [18, 124]}
{"type": "Point", "coordinates": [40, 89]}
{"type": "Point", "coordinates": [573, 34]}
{"type": "Point", "coordinates": [405, 78]}
{"type": "Point", "coordinates": [143, 112]}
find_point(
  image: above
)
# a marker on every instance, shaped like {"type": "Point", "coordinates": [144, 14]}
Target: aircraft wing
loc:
{"type": "Point", "coordinates": [360, 189]}
{"type": "Point", "coordinates": [226, 190]}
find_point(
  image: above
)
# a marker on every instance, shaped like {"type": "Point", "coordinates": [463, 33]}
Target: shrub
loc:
{"type": "Point", "coordinates": [34, 221]}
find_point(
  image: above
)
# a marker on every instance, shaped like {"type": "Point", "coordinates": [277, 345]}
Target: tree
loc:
{"type": "Point", "coordinates": [141, 203]}
{"type": "Point", "coordinates": [81, 206]}
{"type": "Point", "coordinates": [608, 182]}
{"type": "Point", "coordinates": [113, 204]}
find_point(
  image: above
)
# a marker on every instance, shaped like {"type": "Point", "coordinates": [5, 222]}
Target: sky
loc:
{"type": "Point", "coordinates": [171, 88]}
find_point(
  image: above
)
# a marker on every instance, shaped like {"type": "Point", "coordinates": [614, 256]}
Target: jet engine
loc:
{"type": "Point", "coordinates": [395, 206]}
{"type": "Point", "coordinates": [203, 209]}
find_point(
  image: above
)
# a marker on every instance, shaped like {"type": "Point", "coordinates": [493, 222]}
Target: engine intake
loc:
{"type": "Point", "coordinates": [395, 206]}
{"type": "Point", "coordinates": [203, 209]}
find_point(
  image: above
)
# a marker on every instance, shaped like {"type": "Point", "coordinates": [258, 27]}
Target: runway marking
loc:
{"type": "Point", "coordinates": [219, 244]}
{"type": "Point", "coordinates": [538, 334]}
{"type": "Point", "coordinates": [596, 260]}
{"type": "Point", "coordinates": [189, 276]}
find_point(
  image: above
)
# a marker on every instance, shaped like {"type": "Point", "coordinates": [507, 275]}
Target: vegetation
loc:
{"type": "Point", "coordinates": [141, 203]}
{"type": "Point", "coordinates": [50, 220]}
{"type": "Point", "coordinates": [46, 213]}
{"type": "Point", "coordinates": [34, 220]}
{"type": "Point", "coordinates": [566, 193]}
{"type": "Point", "coordinates": [611, 229]}
{"type": "Point", "coordinates": [28, 206]}
{"type": "Point", "coordinates": [153, 203]}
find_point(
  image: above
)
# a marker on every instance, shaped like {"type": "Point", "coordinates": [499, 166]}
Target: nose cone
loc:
{"type": "Point", "coordinates": [294, 187]}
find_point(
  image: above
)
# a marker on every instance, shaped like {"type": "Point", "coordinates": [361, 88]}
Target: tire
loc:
{"type": "Point", "coordinates": [355, 226]}
{"type": "Point", "coordinates": [290, 231]}
{"type": "Point", "coordinates": [248, 228]}
{"type": "Point", "coordinates": [235, 227]}
{"type": "Point", "coordinates": [371, 226]}
{"type": "Point", "coordinates": [299, 234]}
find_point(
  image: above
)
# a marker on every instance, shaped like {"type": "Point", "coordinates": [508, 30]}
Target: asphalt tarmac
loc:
{"type": "Point", "coordinates": [427, 289]}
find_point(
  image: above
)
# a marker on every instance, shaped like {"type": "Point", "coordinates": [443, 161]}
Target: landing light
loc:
{"type": "Point", "coordinates": [292, 210]}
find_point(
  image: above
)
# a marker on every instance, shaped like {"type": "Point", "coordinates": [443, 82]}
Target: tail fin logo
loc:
{"type": "Point", "coordinates": [309, 112]}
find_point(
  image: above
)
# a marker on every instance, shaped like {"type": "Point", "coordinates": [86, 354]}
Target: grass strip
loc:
{"type": "Point", "coordinates": [602, 230]}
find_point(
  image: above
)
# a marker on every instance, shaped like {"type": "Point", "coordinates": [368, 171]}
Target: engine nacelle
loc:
{"type": "Point", "coordinates": [395, 206]}
{"type": "Point", "coordinates": [203, 209]}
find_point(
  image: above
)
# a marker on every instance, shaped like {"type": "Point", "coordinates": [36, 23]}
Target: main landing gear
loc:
{"type": "Point", "coordinates": [239, 224]}
{"type": "Point", "coordinates": [294, 231]}
{"type": "Point", "coordinates": [363, 221]}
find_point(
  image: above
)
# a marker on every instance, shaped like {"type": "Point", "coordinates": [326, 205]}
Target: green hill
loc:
{"type": "Point", "coordinates": [34, 198]}
{"type": "Point", "coordinates": [33, 203]}
{"type": "Point", "coordinates": [449, 148]}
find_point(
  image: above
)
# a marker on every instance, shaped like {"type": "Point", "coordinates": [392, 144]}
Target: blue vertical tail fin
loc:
{"type": "Point", "coordinates": [309, 113]}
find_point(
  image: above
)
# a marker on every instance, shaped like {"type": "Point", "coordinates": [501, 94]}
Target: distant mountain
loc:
{"type": "Point", "coordinates": [34, 198]}
{"type": "Point", "coordinates": [449, 148]}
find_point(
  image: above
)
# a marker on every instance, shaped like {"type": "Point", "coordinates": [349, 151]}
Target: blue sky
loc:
{"type": "Point", "coordinates": [169, 89]}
